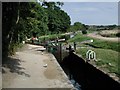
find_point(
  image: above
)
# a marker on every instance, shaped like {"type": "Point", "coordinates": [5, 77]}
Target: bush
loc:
{"type": "Point", "coordinates": [118, 34]}
{"type": "Point", "coordinates": [84, 32]}
{"type": "Point", "coordinates": [66, 37]}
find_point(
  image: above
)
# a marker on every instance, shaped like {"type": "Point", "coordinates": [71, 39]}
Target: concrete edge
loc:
{"type": "Point", "coordinates": [60, 68]}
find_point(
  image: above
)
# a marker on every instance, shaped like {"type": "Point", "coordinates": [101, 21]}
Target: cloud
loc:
{"type": "Point", "coordinates": [85, 9]}
{"type": "Point", "coordinates": [92, 13]}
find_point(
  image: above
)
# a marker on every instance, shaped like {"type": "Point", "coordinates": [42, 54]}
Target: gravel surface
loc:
{"type": "Point", "coordinates": [32, 68]}
{"type": "Point", "coordinates": [96, 35]}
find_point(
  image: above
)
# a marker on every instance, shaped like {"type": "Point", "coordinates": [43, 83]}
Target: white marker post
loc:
{"type": "Point", "coordinates": [90, 55]}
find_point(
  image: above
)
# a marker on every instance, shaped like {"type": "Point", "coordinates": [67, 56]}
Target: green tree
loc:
{"type": "Point", "coordinates": [9, 21]}
{"type": "Point", "coordinates": [79, 26]}
{"type": "Point", "coordinates": [58, 20]}
{"type": "Point", "coordinates": [38, 19]}
{"type": "Point", "coordinates": [21, 19]}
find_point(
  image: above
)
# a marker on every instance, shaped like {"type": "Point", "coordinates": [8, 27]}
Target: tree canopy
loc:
{"type": "Point", "coordinates": [77, 26]}
{"type": "Point", "coordinates": [58, 20]}
{"type": "Point", "coordinates": [22, 19]}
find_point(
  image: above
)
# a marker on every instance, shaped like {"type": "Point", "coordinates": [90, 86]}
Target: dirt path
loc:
{"type": "Point", "coordinates": [96, 35]}
{"type": "Point", "coordinates": [27, 69]}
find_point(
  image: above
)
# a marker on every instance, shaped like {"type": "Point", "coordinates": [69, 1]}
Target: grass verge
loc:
{"type": "Point", "coordinates": [106, 59]}
{"type": "Point", "coordinates": [96, 42]}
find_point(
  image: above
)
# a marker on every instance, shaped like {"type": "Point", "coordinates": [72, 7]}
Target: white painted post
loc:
{"type": "Point", "coordinates": [90, 55]}
{"type": "Point", "coordinates": [94, 58]}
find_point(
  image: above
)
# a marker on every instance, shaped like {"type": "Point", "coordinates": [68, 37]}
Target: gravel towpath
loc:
{"type": "Point", "coordinates": [96, 35]}
{"type": "Point", "coordinates": [33, 68]}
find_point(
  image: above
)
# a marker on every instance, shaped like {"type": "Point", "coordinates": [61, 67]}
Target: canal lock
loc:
{"type": "Point", "coordinates": [83, 75]}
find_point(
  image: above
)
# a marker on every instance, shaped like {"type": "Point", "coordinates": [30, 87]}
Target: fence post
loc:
{"type": "Point", "coordinates": [75, 46]}
{"type": "Point", "coordinates": [60, 52]}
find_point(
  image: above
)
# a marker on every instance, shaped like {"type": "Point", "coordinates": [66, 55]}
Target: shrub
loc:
{"type": "Point", "coordinates": [84, 32]}
{"type": "Point", "coordinates": [118, 34]}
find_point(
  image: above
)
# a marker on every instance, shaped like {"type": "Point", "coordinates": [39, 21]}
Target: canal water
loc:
{"type": "Point", "coordinates": [76, 85]}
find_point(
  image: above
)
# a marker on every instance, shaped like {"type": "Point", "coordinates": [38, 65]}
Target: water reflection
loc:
{"type": "Point", "coordinates": [75, 84]}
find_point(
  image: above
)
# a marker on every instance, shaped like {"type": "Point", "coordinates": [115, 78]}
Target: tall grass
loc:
{"type": "Point", "coordinates": [97, 42]}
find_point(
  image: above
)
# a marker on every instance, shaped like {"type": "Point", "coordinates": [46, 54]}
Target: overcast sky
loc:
{"type": "Point", "coordinates": [98, 13]}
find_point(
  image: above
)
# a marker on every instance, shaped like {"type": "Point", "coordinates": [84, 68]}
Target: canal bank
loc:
{"type": "Point", "coordinates": [88, 76]}
{"type": "Point", "coordinates": [84, 74]}
{"type": "Point", "coordinates": [33, 67]}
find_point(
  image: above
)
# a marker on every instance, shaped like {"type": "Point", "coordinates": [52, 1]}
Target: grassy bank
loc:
{"type": "Point", "coordinates": [107, 52]}
{"type": "Point", "coordinates": [106, 59]}
{"type": "Point", "coordinates": [96, 42]}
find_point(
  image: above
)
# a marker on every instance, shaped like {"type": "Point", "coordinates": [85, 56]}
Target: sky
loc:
{"type": "Point", "coordinates": [92, 13]}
